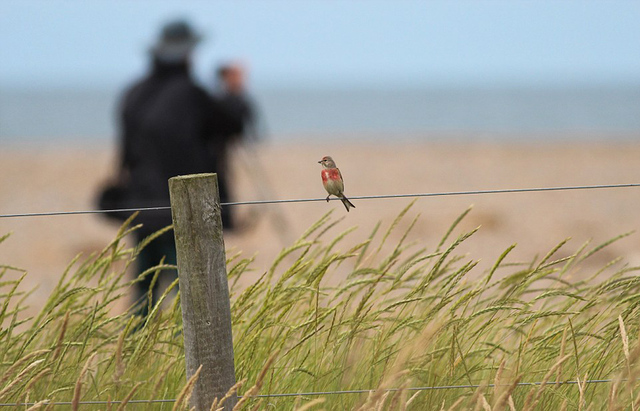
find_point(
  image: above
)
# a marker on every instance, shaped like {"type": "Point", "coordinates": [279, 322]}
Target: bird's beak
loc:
{"type": "Point", "coordinates": [319, 162]}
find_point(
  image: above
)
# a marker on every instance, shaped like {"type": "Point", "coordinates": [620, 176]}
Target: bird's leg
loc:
{"type": "Point", "coordinates": [328, 197]}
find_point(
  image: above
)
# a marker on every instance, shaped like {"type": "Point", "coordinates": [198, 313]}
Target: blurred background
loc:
{"type": "Point", "coordinates": [407, 96]}
{"type": "Point", "coordinates": [348, 67]}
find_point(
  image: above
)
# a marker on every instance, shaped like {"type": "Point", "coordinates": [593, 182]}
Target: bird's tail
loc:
{"type": "Point", "coordinates": [347, 204]}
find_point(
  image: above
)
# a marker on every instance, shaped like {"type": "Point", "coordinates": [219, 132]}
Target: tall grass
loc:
{"type": "Point", "coordinates": [406, 315]}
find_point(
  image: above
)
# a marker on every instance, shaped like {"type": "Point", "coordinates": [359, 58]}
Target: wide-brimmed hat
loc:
{"type": "Point", "coordinates": [176, 41]}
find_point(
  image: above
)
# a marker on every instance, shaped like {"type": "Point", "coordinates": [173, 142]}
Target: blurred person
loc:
{"type": "Point", "coordinates": [230, 91]}
{"type": "Point", "coordinates": [229, 82]}
{"type": "Point", "coordinates": [170, 126]}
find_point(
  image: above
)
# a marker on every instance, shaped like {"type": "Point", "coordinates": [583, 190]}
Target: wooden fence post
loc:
{"type": "Point", "coordinates": [204, 290]}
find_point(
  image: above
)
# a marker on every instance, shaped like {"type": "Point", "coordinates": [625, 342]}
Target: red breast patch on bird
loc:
{"type": "Point", "coordinates": [331, 174]}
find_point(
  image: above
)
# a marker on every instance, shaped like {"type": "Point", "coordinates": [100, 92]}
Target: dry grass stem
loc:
{"type": "Point", "coordinates": [311, 404]}
{"type": "Point", "coordinates": [185, 393]}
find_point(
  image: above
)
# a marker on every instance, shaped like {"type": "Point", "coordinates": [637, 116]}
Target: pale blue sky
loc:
{"type": "Point", "coordinates": [101, 43]}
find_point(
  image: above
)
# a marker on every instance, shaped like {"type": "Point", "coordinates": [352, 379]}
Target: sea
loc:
{"type": "Point", "coordinates": [68, 115]}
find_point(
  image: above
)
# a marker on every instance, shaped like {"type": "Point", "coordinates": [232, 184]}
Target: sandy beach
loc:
{"type": "Point", "coordinates": [47, 178]}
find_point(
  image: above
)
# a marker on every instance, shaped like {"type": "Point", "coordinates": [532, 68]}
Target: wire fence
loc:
{"type": "Point", "coordinates": [304, 200]}
{"type": "Point", "coordinates": [325, 393]}
{"type": "Point", "coordinates": [368, 197]}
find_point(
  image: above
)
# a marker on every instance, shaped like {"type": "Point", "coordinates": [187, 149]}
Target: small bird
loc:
{"type": "Point", "coordinates": [332, 181]}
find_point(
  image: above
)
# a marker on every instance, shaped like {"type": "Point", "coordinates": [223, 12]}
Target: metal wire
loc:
{"type": "Point", "coordinates": [311, 394]}
{"type": "Point", "coordinates": [56, 403]}
{"type": "Point", "coordinates": [443, 387]}
{"type": "Point", "coordinates": [55, 213]}
{"type": "Point", "coordinates": [306, 200]}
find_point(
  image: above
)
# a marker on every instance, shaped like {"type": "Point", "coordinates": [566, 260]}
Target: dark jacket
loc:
{"type": "Point", "coordinates": [170, 126]}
